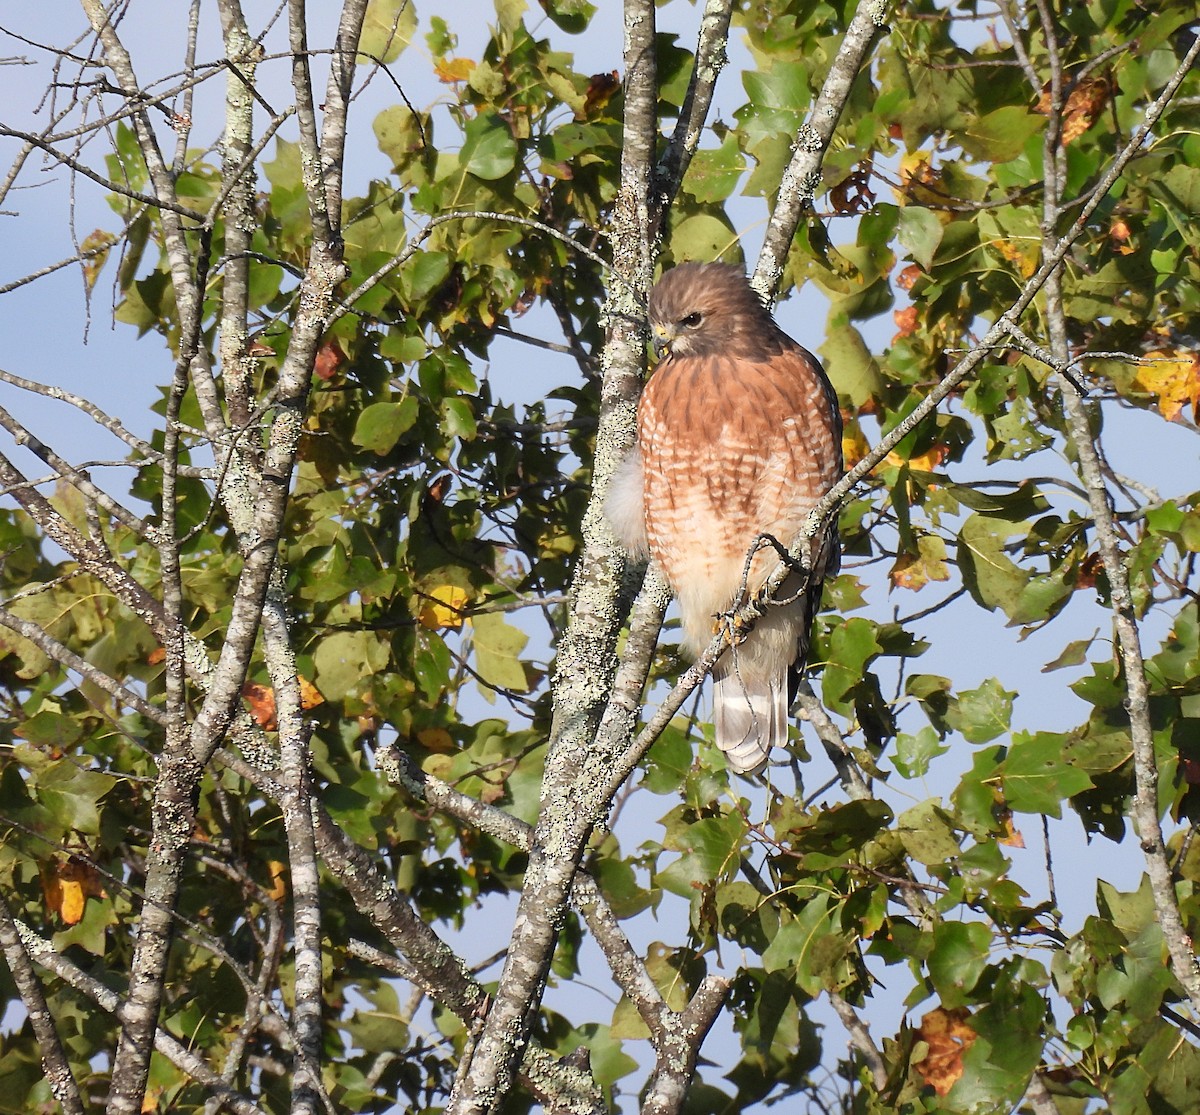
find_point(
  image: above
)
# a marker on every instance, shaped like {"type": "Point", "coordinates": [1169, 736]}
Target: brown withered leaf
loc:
{"type": "Point", "coordinates": [256, 348]}
{"type": "Point", "coordinates": [853, 194]}
{"type": "Point", "coordinates": [330, 358]}
{"type": "Point", "coordinates": [1092, 564]}
{"type": "Point", "coordinates": [1084, 105]}
{"type": "Point", "coordinates": [600, 90]}
{"type": "Point", "coordinates": [67, 885]}
{"type": "Point", "coordinates": [948, 1036]}
{"type": "Point", "coordinates": [98, 242]}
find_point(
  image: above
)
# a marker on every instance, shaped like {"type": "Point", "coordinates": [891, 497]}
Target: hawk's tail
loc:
{"type": "Point", "coordinates": [750, 715]}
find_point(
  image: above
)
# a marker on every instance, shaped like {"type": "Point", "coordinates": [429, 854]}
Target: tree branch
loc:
{"type": "Point", "coordinates": [55, 1064]}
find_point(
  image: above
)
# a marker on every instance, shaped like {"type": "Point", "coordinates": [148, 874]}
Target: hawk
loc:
{"type": "Point", "coordinates": [739, 434]}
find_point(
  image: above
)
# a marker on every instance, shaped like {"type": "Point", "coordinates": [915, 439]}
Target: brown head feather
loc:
{"type": "Point", "coordinates": [709, 309]}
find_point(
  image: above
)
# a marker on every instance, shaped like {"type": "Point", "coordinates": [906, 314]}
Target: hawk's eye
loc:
{"type": "Point", "coordinates": [692, 320]}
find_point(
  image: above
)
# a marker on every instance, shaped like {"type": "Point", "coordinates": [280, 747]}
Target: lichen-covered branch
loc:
{"type": "Point", "coordinates": [803, 173]}
{"type": "Point", "coordinates": [59, 1077]}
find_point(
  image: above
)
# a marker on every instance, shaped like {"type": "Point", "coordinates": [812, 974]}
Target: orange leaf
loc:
{"type": "Point", "coordinates": [948, 1036]}
{"type": "Point", "coordinates": [157, 655]}
{"type": "Point", "coordinates": [1025, 254]}
{"type": "Point", "coordinates": [310, 695]}
{"type": "Point", "coordinates": [907, 278]}
{"type": "Point", "coordinates": [67, 885]}
{"type": "Point", "coordinates": [330, 358]}
{"type": "Point", "coordinates": [1120, 234]}
{"type": "Point", "coordinates": [1012, 835]}
{"type": "Point", "coordinates": [854, 445]}
{"type": "Point", "coordinates": [1175, 378]}
{"type": "Point", "coordinates": [915, 571]}
{"type": "Point", "coordinates": [906, 322]}
{"type": "Point", "coordinates": [261, 699]}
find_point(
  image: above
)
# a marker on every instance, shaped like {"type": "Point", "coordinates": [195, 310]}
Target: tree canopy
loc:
{"type": "Point", "coordinates": [336, 726]}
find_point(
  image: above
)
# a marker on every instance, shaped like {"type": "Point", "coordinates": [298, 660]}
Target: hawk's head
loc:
{"type": "Point", "coordinates": [705, 309]}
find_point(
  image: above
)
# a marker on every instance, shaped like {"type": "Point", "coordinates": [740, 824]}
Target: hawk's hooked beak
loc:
{"type": "Point", "coordinates": [661, 337]}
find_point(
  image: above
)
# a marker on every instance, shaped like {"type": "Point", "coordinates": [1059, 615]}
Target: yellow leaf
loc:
{"type": "Point", "coordinates": [1024, 253]}
{"type": "Point", "coordinates": [436, 739]}
{"type": "Point", "coordinates": [854, 445]}
{"type": "Point", "coordinates": [443, 607]}
{"type": "Point", "coordinates": [310, 695]}
{"type": "Point", "coordinates": [1174, 377]}
{"type": "Point", "coordinates": [278, 888]}
{"type": "Point", "coordinates": [915, 571]}
{"type": "Point", "coordinates": [450, 70]}
{"type": "Point", "coordinates": [922, 462]}
{"type": "Point", "coordinates": [67, 885]}
{"type": "Point", "coordinates": [98, 242]}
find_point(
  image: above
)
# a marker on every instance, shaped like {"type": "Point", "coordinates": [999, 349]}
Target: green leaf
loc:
{"type": "Point", "coordinates": [705, 237]}
{"type": "Point", "coordinates": [1036, 777]}
{"type": "Point", "coordinates": [347, 659]}
{"type": "Point", "coordinates": [982, 714]}
{"type": "Point", "coordinates": [714, 172]}
{"type": "Point", "coordinates": [400, 133]}
{"type": "Point", "coordinates": [498, 645]}
{"type": "Point", "coordinates": [458, 419]}
{"type": "Point", "coordinates": [920, 234]}
{"type": "Point", "coordinates": [913, 754]}
{"type": "Point", "coordinates": [381, 425]}
{"type": "Point", "coordinates": [851, 645]}
{"type": "Point", "coordinates": [572, 16]}
{"type": "Point", "coordinates": [811, 946]}
{"type": "Point", "coordinates": [989, 574]}
{"type": "Point", "coordinates": [388, 27]}
{"type": "Point", "coordinates": [73, 795]}
{"type": "Point", "coordinates": [1001, 135]}
{"type": "Point", "coordinates": [711, 847]}
{"type": "Point", "coordinates": [959, 957]}
{"type": "Point", "coordinates": [489, 152]}
{"type": "Point", "coordinates": [853, 371]}
{"type": "Point", "coordinates": [927, 833]}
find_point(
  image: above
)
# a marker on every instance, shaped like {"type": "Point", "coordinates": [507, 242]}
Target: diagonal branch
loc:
{"type": "Point", "coordinates": [43, 953]}
{"type": "Point", "coordinates": [59, 1077]}
{"type": "Point", "coordinates": [803, 174]}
